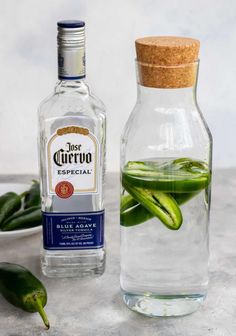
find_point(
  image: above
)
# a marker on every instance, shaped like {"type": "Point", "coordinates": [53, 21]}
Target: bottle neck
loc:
{"type": "Point", "coordinates": [167, 86]}
{"type": "Point", "coordinates": [167, 98]}
{"type": "Point", "coordinates": [71, 86]}
{"type": "Point", "coordinates": [71, 63]}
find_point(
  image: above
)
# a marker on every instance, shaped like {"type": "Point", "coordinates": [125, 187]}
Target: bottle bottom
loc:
{"type": "Point", "coordinates": [64, 264]}
{"type": "Point", "coordinates": [163, 305]}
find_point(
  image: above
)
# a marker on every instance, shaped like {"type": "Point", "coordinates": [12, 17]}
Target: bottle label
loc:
{"type": "Point", "coordinates": [71, 63]}
{"type": "Point", "coordinates": [72, 162]}
{"type": "Point", "coordinates": [78, 231]}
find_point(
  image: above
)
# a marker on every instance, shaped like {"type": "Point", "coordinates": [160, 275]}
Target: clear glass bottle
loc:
{"type": "Point", "coordinates": [166, 158]}
{"type": "Point", "coordinates": [72, 134]}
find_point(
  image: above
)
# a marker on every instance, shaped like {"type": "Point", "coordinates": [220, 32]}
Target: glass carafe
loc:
{"type": "Point", "coordinates": [166, 154]}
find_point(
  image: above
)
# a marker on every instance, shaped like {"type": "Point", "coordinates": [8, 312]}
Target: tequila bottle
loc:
{"type": "Point", "coordinates": [72, 133]}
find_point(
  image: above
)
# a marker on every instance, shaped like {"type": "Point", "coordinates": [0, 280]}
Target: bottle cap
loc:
{"type": "Point", "coordinates": [167, 61]}
{"type": "Point", "coordinates": [70, 24]}
{"type": "Point", "coordinates": [71, 33]}
{"type": "Point", "coordinates": [71, 49]}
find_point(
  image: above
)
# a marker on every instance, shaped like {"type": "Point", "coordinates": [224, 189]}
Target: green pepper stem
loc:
{"type": "Point", "coordinates": [41, 311]}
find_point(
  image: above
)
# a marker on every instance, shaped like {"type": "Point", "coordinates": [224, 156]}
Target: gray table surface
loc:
{"type": "Point", "coordinates": [90, 307]}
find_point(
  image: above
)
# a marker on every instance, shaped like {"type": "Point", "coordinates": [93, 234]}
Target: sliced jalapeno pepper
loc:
{"type": "Point", "coordinates": [137, 214]}
{"type": "Point", "coordinates": [166, 184]}
{"type": "Point", "coordinates": [159, 204]}
{"type": "Point", "coordinates": [134, 213]}
{"type": "Point", "coordinates": [131, 212]}
{"type": "Point", "coordinates": [126, 202]}
{"type": "Point", "coordinates": [175, 184]}
{"type": "Point", "coordinates": [180, 176]}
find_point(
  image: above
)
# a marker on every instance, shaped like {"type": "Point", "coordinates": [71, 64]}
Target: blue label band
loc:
{"type": "Point", "coordinates": [71, 78]}
{"type": "Point", "coordinates": [73, 231]}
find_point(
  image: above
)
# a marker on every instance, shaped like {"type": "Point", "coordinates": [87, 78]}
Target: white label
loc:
{"type": "Point", "coordinates": [72, 156]}
{"type": "Point", "coordinates": [71, 63]}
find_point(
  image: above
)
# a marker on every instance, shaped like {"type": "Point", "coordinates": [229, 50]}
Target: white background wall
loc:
{"type": "Point", "coordinates": [28, 65]}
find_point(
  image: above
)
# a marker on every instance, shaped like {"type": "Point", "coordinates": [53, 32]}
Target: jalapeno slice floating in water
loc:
{"type": "Point", "coordinates": [159, 204]}
{"type": "Point", "coordinates": [135, 214]}
{"type": "Point", "coordinates": [174, 176]}
{"type": "Point", "coordinates": [157, 189]}
{"type": "Point", "coordinates": [126, 202]}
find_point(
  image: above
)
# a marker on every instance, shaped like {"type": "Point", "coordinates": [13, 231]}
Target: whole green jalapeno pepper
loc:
{"type": "Point", "coordinates": [9, 204]}
{"type": "Point", "coordinates": [23, 219]}
{"type": "Point", "coordinates": [32, 196]}
{"type": "Point", "coordinates": [22, 289]}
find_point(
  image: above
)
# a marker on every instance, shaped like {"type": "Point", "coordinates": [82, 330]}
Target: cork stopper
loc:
{"type": "Point", "coordinates": [167, 61]}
